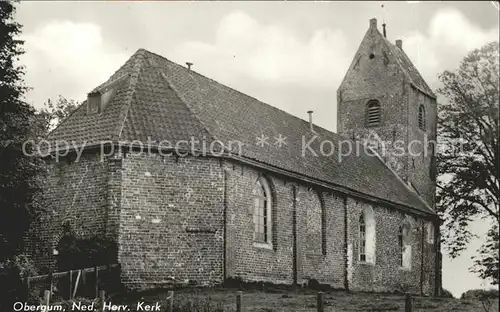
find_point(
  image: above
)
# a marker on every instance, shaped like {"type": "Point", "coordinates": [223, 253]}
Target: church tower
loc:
{"type": "Point", "coordinates": [385, 102]}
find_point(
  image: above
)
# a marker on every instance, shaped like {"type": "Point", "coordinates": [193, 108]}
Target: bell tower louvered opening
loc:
{"type": "Point", "coordinates": [421, 117]}
{"type": "Point", "coordinates": [373, 113]}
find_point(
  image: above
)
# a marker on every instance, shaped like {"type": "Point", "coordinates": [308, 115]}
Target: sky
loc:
{"type": "Point", "coordinates": [292, 55]}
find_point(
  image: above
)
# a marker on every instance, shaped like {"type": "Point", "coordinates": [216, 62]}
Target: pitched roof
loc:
{"type": "Point", "coordinates": [161, 100]}
{"type": "Point", "coordinates": [407, 67]}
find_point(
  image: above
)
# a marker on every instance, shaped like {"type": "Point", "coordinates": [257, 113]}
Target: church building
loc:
{"type": "Point", "coordinates": [199, 183]}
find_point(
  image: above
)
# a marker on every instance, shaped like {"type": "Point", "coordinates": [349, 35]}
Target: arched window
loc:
{"type": "Point", "coordinates": [404, 238]}
{"type": "Point", "coordinates": [421, 117]}
{"type": "Point", "coordinates": [367, 236]}
{"type": "Point", "coordinates": [315, 225]}
{"type": "Point", "coordinates": [372, 117]}
{"type": "Point", "coordinates": [262, 211]}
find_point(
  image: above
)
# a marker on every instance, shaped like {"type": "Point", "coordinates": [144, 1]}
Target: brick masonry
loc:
{"type": "Point", "coordinates": [253, 263]}
{"type": "Point", "coordinates": [276, 265]}
{"type": "Point", "coordinates": [78, 194]}
{"type": "Point", "coordinates": [167, 215]}
{"type": "Point", "coordinates": [171, 220]}
{"type": "Point", "coordinates": [386, 274]}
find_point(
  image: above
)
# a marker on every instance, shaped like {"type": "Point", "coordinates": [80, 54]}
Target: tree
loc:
{"type": "Point", "coordinates": [19, 173]}
{"type": "Point", "coordinates": [486, 264]}
{"type": "Point", "coordinates": [51, 115]}
{"type": "Point", "coordinates": [468, 158]}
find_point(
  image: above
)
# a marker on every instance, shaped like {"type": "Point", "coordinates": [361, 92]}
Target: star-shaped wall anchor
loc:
{"type": "Point", "coordinates": [280, 140]}
{"type": "Point", "coordinates": [262, 140]}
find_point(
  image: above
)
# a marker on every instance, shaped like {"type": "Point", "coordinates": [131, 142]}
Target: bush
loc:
{"type": "Point", "coordinates": [316, 285]}
{"type": "Point", "coordinates": [445, 293]}
{"type": "Point", "coordinates": [34, 298]}
{"type": "Point", "coordinates": [23, 263]}
{"type": "Point", "coordinates": [238, 283]}
{"type": "Point", "coordinates": [480, 294]}
{"type": "Point", "coordinates": [233, 282]}
{"type": "Point", "coordinates": [11, 287]}
{"type": "Point", "coordinates": [75, 253]}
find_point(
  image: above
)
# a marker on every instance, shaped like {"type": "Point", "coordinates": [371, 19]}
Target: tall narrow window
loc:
{"type": "Point", "coordinates": [362, 238]}
{"type": "Point", "coordinates": [404, 237]}
{"type": "Point", "coordinates": [367, 236]}
{"type": "Point", "coordinates": [421, 117]}
{"type": "Point", "coordinates": [262, 211]}
{"type": "Point", "coordinates": [372, 113]}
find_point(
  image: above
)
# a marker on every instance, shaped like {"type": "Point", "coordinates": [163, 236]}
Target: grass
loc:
{"type": "Point", "coordinates": [284, 299]}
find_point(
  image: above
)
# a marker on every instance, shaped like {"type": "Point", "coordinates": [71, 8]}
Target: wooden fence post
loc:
{"type": "Point", "coordinates": [70, 274]}
{"type": "Point", "coordinates": [239, 300]}
{"type": "Point", "coordinates": [320, 303]}
{"type": "Point", "coordinates": [51, 281]}
{"type": "Point", "coordinates": [27, 283]}
{"type": "Point", "coordinates": [408, 307]}
{"type": "Point", "coordinates": [170, 301]}
{"type": "Point", "coordinates": [102, 298]}
{"type": "Point", "coordinates": [107, 278]}
{"type": "Point", "coordinates": [46, 298]}
{"type": "Point", "coordinates": [77, 281]}
{"type": "Point", "coordinates": [96, 275]}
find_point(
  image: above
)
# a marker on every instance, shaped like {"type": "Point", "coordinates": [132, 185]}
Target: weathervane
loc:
{"type": "Point", "coordinates": [383, 21]}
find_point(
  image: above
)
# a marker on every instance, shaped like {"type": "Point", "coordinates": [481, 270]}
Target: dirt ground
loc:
{"type": "Point", "coordinates": [284, 300]}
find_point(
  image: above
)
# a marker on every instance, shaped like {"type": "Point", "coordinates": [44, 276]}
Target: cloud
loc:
{"type": "Point", "coordinates": [270, 53]}
{"type": "Point", "coordinates": [67, 58]}
{"type": "Point", "coordinates": [262, 59]}
{"type": "Point", "coordinates": [272, 63]}
{"type": "Point", "coordinates": [450, 36]}
{"type": "Point", "coordinates": [266, 60]}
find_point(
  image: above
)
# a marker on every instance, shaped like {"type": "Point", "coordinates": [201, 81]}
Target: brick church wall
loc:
{"type": "Point", "coordinates": [422, 167]}
{"type": "Point", "coordinates": [430, 252]}
{"type": "Point", "coordinates": [258, 264]}
{"type": "Point", "coordinates": [171, 221]}
{"type": "Point", "coordinates": [75, 193]}
{"type": "Point", "coordinates": [243, 259]}
{"type": "Point", "coordinates": [251, 263]}
{"type": "Point", "coordinates": [386, 274]}
{"type": "Point", "coordinates": [328, 268]}
{"type": "Point", "coordinates": [167, 215]}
